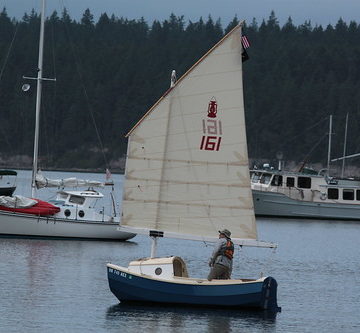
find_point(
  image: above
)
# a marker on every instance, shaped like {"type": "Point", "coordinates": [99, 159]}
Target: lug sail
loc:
{"type": "Point", "coordinates": [187, 170]}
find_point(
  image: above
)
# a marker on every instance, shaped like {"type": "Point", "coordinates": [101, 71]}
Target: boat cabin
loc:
{"type": "Point", "coordinates": [306, 186]}
{"type": "Point", "coordinates": [167, 268]}
{"type": "Point", "coordinates": [79, 205]}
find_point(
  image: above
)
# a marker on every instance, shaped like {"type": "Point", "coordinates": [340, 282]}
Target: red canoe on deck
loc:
{"type": "Point", "coordinates": [41, 208]}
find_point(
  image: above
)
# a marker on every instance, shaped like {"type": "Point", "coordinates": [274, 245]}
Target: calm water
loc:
{"type": "Point", "coordinates": [61, 286]}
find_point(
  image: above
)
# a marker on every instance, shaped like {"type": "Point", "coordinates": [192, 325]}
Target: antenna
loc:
{"type": "Point", "coordinates": [25, 87]}
{"type": "Point", "coordinates": [279, 156]}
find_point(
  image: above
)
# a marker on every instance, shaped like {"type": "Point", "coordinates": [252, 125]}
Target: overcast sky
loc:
{"type": "Point", "coordinates": [322, 12]}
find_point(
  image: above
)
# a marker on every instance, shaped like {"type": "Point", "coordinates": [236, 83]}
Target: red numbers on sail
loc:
{"type": "Point", "coordinates": [212, 129]}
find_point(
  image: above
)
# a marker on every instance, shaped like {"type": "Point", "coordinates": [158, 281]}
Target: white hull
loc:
{"type": "Point", "coordinates": [279, 205]}
{"type": "Point", "coordinates": [26, 225]}
{"type": "Point", "coordinates": [290, 194]}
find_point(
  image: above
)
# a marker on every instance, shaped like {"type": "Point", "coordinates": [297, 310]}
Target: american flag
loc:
{"type": "Point", "coordinates": [245, 42]}
{"type": "Point", "coordinates": [108, 174]}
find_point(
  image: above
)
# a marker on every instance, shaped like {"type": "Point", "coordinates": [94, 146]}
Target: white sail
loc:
{"type": "Point", "coordinates": [187, 166]}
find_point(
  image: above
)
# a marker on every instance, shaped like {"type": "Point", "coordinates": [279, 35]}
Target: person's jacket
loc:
{"type": "Point", "coordinates": [217, 257]}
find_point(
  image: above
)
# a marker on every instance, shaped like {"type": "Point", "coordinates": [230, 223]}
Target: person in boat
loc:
{"type": "Point", "coordinates": [221, 259]}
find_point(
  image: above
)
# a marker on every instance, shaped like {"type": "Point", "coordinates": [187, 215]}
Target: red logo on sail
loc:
{"type": "Point", "coordinates": [212, 129]}
{"type": "Point", "coordinates": [212, 109]}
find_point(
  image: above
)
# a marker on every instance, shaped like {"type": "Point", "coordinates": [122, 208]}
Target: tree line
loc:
{"type": "Point", "coordinates": [109, 72]}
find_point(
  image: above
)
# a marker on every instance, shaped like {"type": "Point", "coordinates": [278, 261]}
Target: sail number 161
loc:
{"type": "Point", "coordinates": [212, 139]}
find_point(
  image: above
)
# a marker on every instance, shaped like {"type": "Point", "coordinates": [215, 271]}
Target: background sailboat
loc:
{"type": "Point", "coordinates": [187, 177]}
{"type": "Point", "coordinates": [72, 214]}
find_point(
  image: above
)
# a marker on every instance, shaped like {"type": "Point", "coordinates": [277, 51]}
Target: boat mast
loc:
{"type": "Point", "coordinates": [39, 80]}
{"type": "Point", "coordinates": [155, 234]}
{"type": "Point", "coordinates": [344, 151]}
{"type": "Point", "coordinates": [329, 146]}
{"type": "Point", "coordinates": [38, 98]}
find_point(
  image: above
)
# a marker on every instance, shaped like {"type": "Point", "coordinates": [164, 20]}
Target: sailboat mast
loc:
{"type": "Point", "coordinates": [38, 98]}
{"type": "Point", "coordinates": [344, 152]}
{"type": "Point", "coordinates": [329, 146]}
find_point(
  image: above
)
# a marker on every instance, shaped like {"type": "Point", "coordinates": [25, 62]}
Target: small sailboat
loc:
{"type": "Point", "coordinates": [72, 214]}
{"type": "Point", "coordinates": [187, 177]}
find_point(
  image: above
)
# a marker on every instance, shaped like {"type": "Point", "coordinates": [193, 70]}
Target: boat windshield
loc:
{"type": "Point", "coordinates": [76, 199]}
{"type": "Point", "coordinates": [255, 177]}
{"type": "Point", "coordinates": [265, 178]}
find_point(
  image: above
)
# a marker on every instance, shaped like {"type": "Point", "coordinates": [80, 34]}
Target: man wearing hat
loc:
{"type": "Point", "coordinates": [221, 259]}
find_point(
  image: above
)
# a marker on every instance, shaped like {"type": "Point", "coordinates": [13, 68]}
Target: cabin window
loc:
{"type": "Point", "coordinates": [76, 199]}
{"type": "Point", "coordinates": [348, 194]}
{"type": "Point", "coordinates": [290, 181]}
{"type": "Point", "coordinates": [277, 180]}
{"type": "Point", "coordinates": [255, 177]}
{"type": "Point", "coordinates": [333, 193]}
{"type": "Point", "coordinates": [265, 178]}
{"type": "Point", "coordinates": [357, 194]}
{"type": "Point", "coordinates": [304, 182]}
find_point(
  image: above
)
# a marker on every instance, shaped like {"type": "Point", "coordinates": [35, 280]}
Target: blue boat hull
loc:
{"type": "Point", "coordinates": [132, 287]}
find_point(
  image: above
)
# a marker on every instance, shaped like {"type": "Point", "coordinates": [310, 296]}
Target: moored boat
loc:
{"type": "Point", "coordinates": [73, 215]}
{"type": "Point", "coordinates": [307, 194]}
{"type": "Point", "coordinates": [7, 182]}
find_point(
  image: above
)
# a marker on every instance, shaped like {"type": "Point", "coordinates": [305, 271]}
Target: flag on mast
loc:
{"type": "Point", "coordinates": [108, 174]}
{"type": "Point", "coordinates": [245, 44]}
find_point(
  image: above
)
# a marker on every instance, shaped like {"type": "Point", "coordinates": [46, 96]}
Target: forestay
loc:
{"type": "Point", "coordinates": [187, 166]}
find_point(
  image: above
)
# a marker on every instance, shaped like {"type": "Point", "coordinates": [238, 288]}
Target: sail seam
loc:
{"type": "Point", "coordinates": [190, 204]}
{"type": "Point", "coordinates": [200, 163]}
{"type": "Point", "coordinates": [179, 182]}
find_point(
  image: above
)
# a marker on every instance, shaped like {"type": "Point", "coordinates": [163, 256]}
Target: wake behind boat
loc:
{"type": "Point", "coordinates": [72, 214]}
{"type": "Point", "coordinates": [187, 177]}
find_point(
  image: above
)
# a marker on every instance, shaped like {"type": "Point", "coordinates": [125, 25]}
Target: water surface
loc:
{"type": "Point", "coordinates": [61, 285]}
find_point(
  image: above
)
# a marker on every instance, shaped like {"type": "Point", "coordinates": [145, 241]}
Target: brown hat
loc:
{"type": "Point", "coordinates": [225, 232]}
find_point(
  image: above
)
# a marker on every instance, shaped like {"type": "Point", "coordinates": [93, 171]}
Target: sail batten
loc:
{"type": "Point", "coordinates": [187, 168]}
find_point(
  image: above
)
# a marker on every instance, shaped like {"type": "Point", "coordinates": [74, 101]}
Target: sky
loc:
{"type": "Point", "coordinates": [318, 12]}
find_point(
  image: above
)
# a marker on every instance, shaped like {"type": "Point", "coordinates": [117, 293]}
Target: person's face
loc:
{"type": "Point", "coordinates": [221, 235]}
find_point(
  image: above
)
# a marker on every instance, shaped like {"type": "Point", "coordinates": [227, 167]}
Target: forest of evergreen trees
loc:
{"type": "Point", "coordinates": [111, 71]}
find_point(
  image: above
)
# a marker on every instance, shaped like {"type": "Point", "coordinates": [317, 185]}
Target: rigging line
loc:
{"type": "Point", "coordinates": [306, 130]}
{"type": "Point", "coordinates": [78, 69]}
{"type": "Point", "coordinates": [48, 150]}
{"type": "Point", "coordinates": [54, 73]}
{"type": "Point", "coordinates": [1, 74]}
{"type": "Point", "coordinates": [310, 152]}
{"type": "Point", "coordinates": [9, 51]}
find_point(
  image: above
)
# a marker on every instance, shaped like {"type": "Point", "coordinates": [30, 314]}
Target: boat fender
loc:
{"type": "Point", "coordinates": [81, 213]}
{"type": "Point", "coordinates": [67, 212]}
{"type": "Point", "coordinates": [323, 196]}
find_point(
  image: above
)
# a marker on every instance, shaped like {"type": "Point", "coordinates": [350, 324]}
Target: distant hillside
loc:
{"type": "Point", "coordinates": [111, 71]}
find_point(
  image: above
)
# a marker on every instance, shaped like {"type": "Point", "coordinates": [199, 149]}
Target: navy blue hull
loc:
{"type": "Point", "coordinates": [129, 287]}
